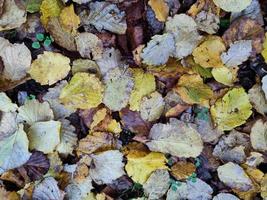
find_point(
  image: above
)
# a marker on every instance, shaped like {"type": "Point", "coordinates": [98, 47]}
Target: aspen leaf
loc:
{"type": "Point", "coordinates": [193, 91]}
{"type": "Point", "coordinates": [69, 20]}
{"type": "Point", "coordinates": [139, 166]}
{"type": "Point", "coordinates": [48, 9]}
{"type": "Point", "coordinates": [160, 8]}
{"type": "Point", "coordinates": [208, 53]}
{"type": "Point", "coordinates": [83, 91]}
{"type": "Point", "coordinates": [176, 138]}
{"type": "Point", "coordinates": [144, 84]}
{"type": "Point", "coordinates": [232, 110]}
{"type": "Point", "coordinates": [232, 5]}
{"type": "Point", "coordinates": [49, 68]}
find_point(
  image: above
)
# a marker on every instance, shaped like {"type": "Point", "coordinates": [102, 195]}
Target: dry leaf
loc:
{"type": "Point", "coordinates": [160, 8]}
{"type": "Point", "coordinates": [182, 170]}
{"type": "Point", "coordinates": [69, 20]}
{"type": "Point", "coordinates": [49, 68]}
{"type": "Point", "coordinates": [6, 104]}
{"type": "Point", "coordinates": [223, 196]}
{"type": "Point", "coordinates": [50, 9]}
{"type": "Point", "coordinates": [257, 99]}
{"type": "Point", "coordinates": [207, 22]}
{"type": "Point", "coordinates": [232, 5]}
{"type": "Point", "coordinates": [225, 75]}
{"type": "Point", "coordinates": [258, 135]}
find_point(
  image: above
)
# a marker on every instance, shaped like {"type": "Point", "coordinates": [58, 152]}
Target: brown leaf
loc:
{"type": "Point", "coordinates": [13, 176]}
{"type": "Point", "coordinates": [7, 195]}
{"type": "Point", "coordinates": [245, 29]}
{"type": "Point", "coordinates": [1, 7]}
{"type": "Point", "coordinates": [182, 170]}
{"type": "Point", "coordinates": [206, 5]}
{"type": "Point", "coordinates": [61, 37]}
{"type": "Point", "coordinates": [132, 121]}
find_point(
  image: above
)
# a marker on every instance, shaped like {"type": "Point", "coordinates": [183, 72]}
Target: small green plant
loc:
{"type": "Point", "coordinates": [197, 162]}
{"type": "Point", "coordinates": [41, 39]}
{"type": "Point", "coordinates": [31, 97]}
{"type": "Point", "coordinates": [193, 177]}
{"type": "Point", "coordinates": [175, 184]}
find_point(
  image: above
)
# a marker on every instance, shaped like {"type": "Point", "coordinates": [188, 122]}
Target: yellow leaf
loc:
{"type": "Point", "coordinates": [264, 52]}
{"type": "Point", "coordinates": [49, 68]}
{"type": "Point", "coordinates": [193, 91]}
{"type": "Point", "coordinates": [84, 91]}
{"type": "Point", "coordinates": [225, 75]}
{"type": "Point", "coordinates": [50, 8]}
{"type": "Point", "coordinates": [140, 166]}
{"type": "Point", "coordinates": [208, 53]}
{"type": "Point", "coordinates": [182, 170]}
{"type": "Point", "coordinates": [160, 9]}
{"type": "Point", "coordinates": [264, 187]}
{"type": "Point", "coordinates": [144, 84]}
{"type": "Point", "coordinates": [232, 110]}
{"type": "Point", "coordinates": [69, 20]}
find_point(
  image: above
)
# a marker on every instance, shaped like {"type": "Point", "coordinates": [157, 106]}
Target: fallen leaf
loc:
{"type": "Point", "coordinates": [232, 110]}
{"type": "Point", "coordinates": [8, 124]}
{"type": "Point", "coordinates": [87, 44]}
{"type": "Point", "coordinates": [225, 75]}
{"type": "Point", "coordinates": [207, 22]}
{"type": "Point", "coordinates": [105, 16]}
{"type": "Point", "coordinates": [49, 68]}
{"type": "Point", "coordinates": [257, 99]}
{"type": "Point", "coordinates": [152, 106]}
{"type": "Point", "coordinates": [47, 189]}
{"type": "Point", "coordinates": [118, 87]}
{"type": "Point", "coordinates": [44, 136]}
{"type": "Point", "coordinates": [223, 196]}
{"type": "Point", "coordinates": [69, 20]}
{"type": "Point", "coordinates": [8, 195]}
{"type": "Point", "coordinates": [182, 170]}
{"type": "Point", "coordinates": [107, 166]}
{"type": "Point", "coordinates": [158, 49]}
{"type": "Point", "coordinates": [140, 165]}
{"type": "Point", "coordinates": [50, 9]}
{"type": "Point", "coordinates": [84, 91]}
{"type": "Point", "coordinates": [34, 111]}
{"type": "Point", "coordinates": [238, 53]}
{"type": "Point", "coordinates": [6, 104]}
{"type": "Point", "coordinates": [258, 135]}
{"type": "Point", "coordinates": [264, 187]}
{"type": "Point", "coordinates": [234, 177]}
{"type": "Point", "coordinates": [157, 184]}
{"type": "Point", "coordinates": [144, 84]}
{"type": "Point", "coordinates": [176, 138]}
{"type": "Point", "coordinates": [192, 90]}
{"type": "Point", "coordinates": [14, 150]}
{"type": "Point", "coordinates": [160, 8]}
{"type": "Point", "coordinates": [85, 65]}
{"type": "Point", "coordinates": [232, 5]}
{"type": "Point", "coordinates": [208, 53]}
{"type": "Point", "coordinates": [33, 6]}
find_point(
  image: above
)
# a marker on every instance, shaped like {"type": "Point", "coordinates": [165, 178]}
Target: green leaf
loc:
{"type": "Point", "coordinates": [203, 72]}
{"type": "Point", "coordinates": [47, 42]}
{"type": "Point", "coordinates": [33, 6]}
{"type": "Point", "coordinates": [40, 36]}
{"type": "Point", "coordinates": [36, 45]}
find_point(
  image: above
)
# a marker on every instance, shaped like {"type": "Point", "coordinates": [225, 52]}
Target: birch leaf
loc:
{"type": "Point", "coordinates": [69, 20]}
{"type": "Point", "coordinates": [107, 166]}
{"type": "Point", "coordinates": [264, 51]}
{"type": "Point", "coordinates": [44, 136]}
{"type": "Point", "coordinates": [258, 135]}
{"type": "Point", "coordinates": [49, 68]}
{"type": "Point", "coordinates": [139, 166]}
{"type": "Point", "coordinates": [176, 138]}
{"type": "Point", "coordinates": [225, 75]}
{"type": "Point", "coordinates": [84, 91]}
{"type": "Point", "coordinates": [193, 91]}
{"type": "Point", "coordinates": [238, 53]}
{"type": "Point", "coordinates": [144, 84]}
{"type": "Point", "coordinates": [232, 110]}
{"type": "Point", "coordinates": [6, 104]}
{"type": "Point", "coordinates": [14, 150]}
{"type": "Point", "coordinates": [49, 9]}
{"type": "Point", "coordinates": [158, 49]}
{"type": "Point", "coordinates": [264, 85]}
{"type": "Point", "coordinates": [160, 8]}
{"type": "Point", "coordinates": [8, 124]}
{"type": "Point", "coordinates": [232, 5]}
{"type": "Point", "coordinates": [257, 99]}
{"type": "Point", "coordinates": [118, 87]}
{"type": "Point", "coordinates": [33, 111]}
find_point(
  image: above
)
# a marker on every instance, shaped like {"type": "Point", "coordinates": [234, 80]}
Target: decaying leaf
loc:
{"type": "Point", "coordinates": [140, 166]}
{"type": "Point", "coordinates": [85, 65]}
{"type": "Point", "coordinates": [158, 49]}
{"type": "Point", "coordinates": [258, 135]}
{"type": "Point", "coordinates": [12, 15]}
{"type": "Point", "coordinates": [49, 68]}
{"type": "Point", "coordinates": [192, 90]}
{"type": "Point", "coordinates": [234, 176]}
{"type": "Point", "coordinates": [83, 91]}
{"type": "Point", "coordinates": [207, 22]}
{"type": "Point", "coordinates": [96, 142]}
{"type": "Point", "coordinates": [264, 187]}
{"type": "Point", "coordinates": [223, 196]}
{"type": "Point", "coordinates": [105, 16]}
{"type": "Point", "coordinates": [8, 124]}
{"type": "Point", "coordinates": [144, 84]}
{"type": "Point", "coordinates": [47, 189]}
{"type": "Point", "coordinates": [50, 9]}
{"type": "Point", "coordinates": [87, 44]}
{"type": "Point", "coordinates": [232, 110]}
{"type": "Point", "coordinates": [160, 8]}
{"type": "Point", "coordinates": [107, 166]}
{"type": "Point", "coordinates": [157, 184]}
{"type": "Point", "coordinates": [208, 53]}
{"type": "Point", "coordinates": [152, 106]}
{"type": "Point", "coordinates": [16, 59]}
{"type": "Point", "coordinates": [245, 29]}
{"type": "Point", "coordinates": [118, 87]}
{"type": "Point", "coordinates": [264, 85]}
{"type": "Point", "coordinates": [6, 104]}
{"type": "Point", "coordinates": [264, 51]}
{"type": "Point", "coordinates": [69, 20]}
{"type": "Point", "coordinates": [182, 170]}
{"type": "Point", "coordinates": [186, 36]}
{"type": "Point", "coordinates": [176, 138]}
{"type": "Point", "coordinates": [14, 150]}
{"type": "Point", "coordinates": [238, 52]}
{"type": "Point", "coordinates": [7, 195]}
{"type": "Point", "coordinates": [44, 136]}
{"type": "Point", "coordinates": [225, 75]}
{"type": "Point", "coordinates": [232, 5]}
{"type": "Point", "coordinates": [257, 99]}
